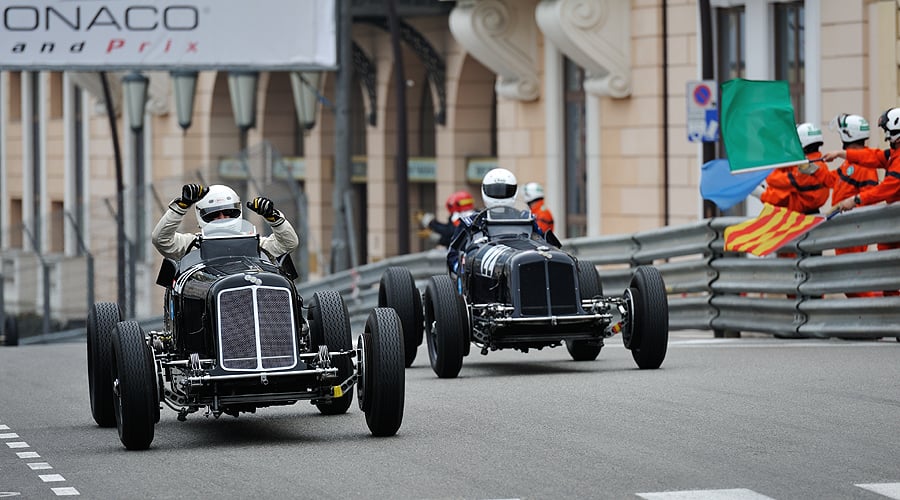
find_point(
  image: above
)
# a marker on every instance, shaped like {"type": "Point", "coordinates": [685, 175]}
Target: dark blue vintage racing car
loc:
{"type": "Point", "coordinates": [235, 339]}
{"type": "Point", "coordinates": [517, 289]}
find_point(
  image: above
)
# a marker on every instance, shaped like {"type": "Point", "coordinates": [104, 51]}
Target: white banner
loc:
{"type": "Point", "coordinates": [168, 34]}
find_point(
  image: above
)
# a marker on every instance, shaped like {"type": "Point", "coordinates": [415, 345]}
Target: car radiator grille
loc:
{"type": "Point", "coordinates": [256, 329]}
{"type": "Point", "coordinates": [536, 278]}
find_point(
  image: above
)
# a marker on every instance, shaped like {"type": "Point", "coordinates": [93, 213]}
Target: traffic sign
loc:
{"type": "Point", "coordinates": [702, 111]}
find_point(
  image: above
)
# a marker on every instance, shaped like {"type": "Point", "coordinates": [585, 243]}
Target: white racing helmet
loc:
{"type": "Point", "coordinates": [219, 199]}
{"type": "Point", "coordinates": [852, 128]}
{"type": "Point", "coordinates": [532, 191]}
{"type": "Point", "coordinates": [499, 188]}
{"type": "Point", "coordinates": [890, 122]}
{"type": "Point", "coordinates": [809, 134]}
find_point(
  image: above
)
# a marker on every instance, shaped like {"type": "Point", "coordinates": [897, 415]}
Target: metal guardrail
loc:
{"type": "Point", "coordinates": [710, 289]}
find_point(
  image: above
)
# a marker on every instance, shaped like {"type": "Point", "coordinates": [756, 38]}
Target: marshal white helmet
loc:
{"type": "Point", "coordinates": [809, 134]}
{"type": "Point", "coordinates": [532, 191]}
{"type": "Point", "coordinates": [890, 122]}
{"type": "Point", "coordinates": [219, 199]}
{"type": "Point", "coordinates": [499, 188]}
{"type": "Point", "coordinates": [852, 128]}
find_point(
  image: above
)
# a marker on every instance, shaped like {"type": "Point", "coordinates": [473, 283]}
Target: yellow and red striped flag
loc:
{"type": "Point", "coordinates": [772, 229]}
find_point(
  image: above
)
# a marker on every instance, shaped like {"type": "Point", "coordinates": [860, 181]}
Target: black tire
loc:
{"type": "Point", "coordinates": [11, 331]}
{"type": "Point", "coordinates": [445, 326]}
{"type": "Point", "coordinates": [398, 291]}
{"type": "Point", "coordinates": [134, 376]}
{"type": "Point", "coordinates": [649, 318]}
{"type": "Point", "coordinates": [329, 325]}
{"type": "Point", "coordinates": [381, 379]}
{"type": "Point", "coordinates": [101, 322]}
{"type": "Point", "coordinates": [589, 283]}
{"type": "Point", "coordinates": [589, 286]}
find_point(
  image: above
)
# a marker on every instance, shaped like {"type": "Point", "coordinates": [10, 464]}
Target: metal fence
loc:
{"type": "Point", "coordinates": [708, 288]}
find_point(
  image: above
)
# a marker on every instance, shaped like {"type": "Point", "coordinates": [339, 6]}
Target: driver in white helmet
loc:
{"type": "Point", "coordinates": [220, 206]}
{"type": "Point", "coordinates": [499, 190]}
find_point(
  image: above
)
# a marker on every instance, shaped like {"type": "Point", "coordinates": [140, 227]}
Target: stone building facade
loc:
{"type": "Point", "coordinates": [587, 97]}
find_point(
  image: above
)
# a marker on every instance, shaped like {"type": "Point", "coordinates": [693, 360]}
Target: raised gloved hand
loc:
{"type": "Point", "coordinates": [426, 219]}
{"type": "Point", "coordinates": [190, 194]}
{"type": "Point", "coordinates": [264, 206]}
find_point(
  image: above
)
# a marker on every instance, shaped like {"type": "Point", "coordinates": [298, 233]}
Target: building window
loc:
{"type": "Point", "coordinates": [14, 107]}
{"type": "Point", "coordinates": [55, 102]}
{"type": "Point", "coordinates": [789, 57]}
{"type": "Point", "coordinates": [576, 155]}
{"type": "Point", "coordinates": [57, 227]}
{"type": "Point", "coordinates": [731, 60]}
{"type": "Point", "coordinates": [16, 223]}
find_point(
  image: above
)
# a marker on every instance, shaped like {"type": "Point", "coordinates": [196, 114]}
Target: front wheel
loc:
{"type": "Point", "coordinates": [649, 322]}
{"type": "Point", "coordinates": [329, 325]}
{"type": "Point", "coordinates": [446, 326]}
{"type": "Point", "coordinates": [101, 323]}
{"type": "Point", "coordinates": [397, 290]}
{"type": "Point", "coordinates": [134, 383]}
{"type": "Point", "coordinates": [381, 379]}
{"type": "Point", "coordinates": [584, 350]}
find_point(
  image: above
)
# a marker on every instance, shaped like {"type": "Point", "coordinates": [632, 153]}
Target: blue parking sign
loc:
{"type": "Point", "coordinates": [702, 111]}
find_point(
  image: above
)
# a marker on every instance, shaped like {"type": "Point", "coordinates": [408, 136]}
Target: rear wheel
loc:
{"type": "Point", "coordinates": [329, 325]}
{"type": "Point", "coordinates": [398, 291]}
{"type": "Point", "coordinates": [101, 322]}
{"type": "Point", "coordinates": [588, 286]}
{"type": "Point", "coordinates": [381, 380]}
{"type": "Point", "coordinates": [134, 380]}
{"type": "Point", "coordinates": [446, 326]}
{"type": "Point", "coordinates": [649, 318]}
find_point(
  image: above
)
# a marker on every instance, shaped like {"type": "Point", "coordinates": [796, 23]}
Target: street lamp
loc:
{"type": "Point", "coordinates": [134, 87]}
{"type": "Point", "coordinates": [305, 87]}
{"type": "Point", "coordinates": [242, 87]}
{"type": "Point", "coordinates": [185, 84]}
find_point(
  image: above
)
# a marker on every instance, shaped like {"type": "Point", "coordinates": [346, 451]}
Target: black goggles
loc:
{"type": "Point", "coordinates": [499, 190]}
{"type": "Point", "coordinates": [231, 213]}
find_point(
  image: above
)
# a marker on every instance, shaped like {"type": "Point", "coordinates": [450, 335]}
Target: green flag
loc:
{"type": "Point", "coordinates": [758, 125]}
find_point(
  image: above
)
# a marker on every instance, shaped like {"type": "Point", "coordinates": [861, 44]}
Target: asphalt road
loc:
{"type": "Point", "coordinates": [723, 418]}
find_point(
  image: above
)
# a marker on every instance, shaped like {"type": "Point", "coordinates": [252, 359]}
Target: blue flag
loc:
{"type": "Point", "coordinates": [724, 188]}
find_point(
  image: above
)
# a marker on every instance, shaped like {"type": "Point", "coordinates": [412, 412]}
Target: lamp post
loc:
{"type": "Point", "coordinates": [134, 87]}
{"type": "Point", "coordinates": [185, 85]}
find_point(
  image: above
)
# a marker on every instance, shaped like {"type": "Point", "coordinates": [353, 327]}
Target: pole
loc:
{"type": "Point", "coordinates": [709, 148]}
{"type": "Point", "coordinates": [120, 202]}
{"type": "Point", "coordinates": [402, 157]}
{"type": "Point", "coordinates": [342, 140]}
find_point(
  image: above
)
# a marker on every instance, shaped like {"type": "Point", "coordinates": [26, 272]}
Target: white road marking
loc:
{"type": "Point", "coordinates": [890, 490]}
{"type": "Point", "coordinates": [68, 491]}
{"type": "Point", "coordinates": [735, 494]}
{"type": "Point", "coordinates": [47, 478]}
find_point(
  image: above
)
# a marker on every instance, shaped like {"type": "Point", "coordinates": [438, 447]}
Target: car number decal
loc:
{"type": "Point", "coordinates": [179, 283]}
{"type": "Point", "coordinates": [490, 258]}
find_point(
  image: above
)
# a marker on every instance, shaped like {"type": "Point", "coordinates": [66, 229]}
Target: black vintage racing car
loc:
{"type": "Point", "coordinates": [518, 290]}
{"type": "Point", "coordinates": [235, 339]}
